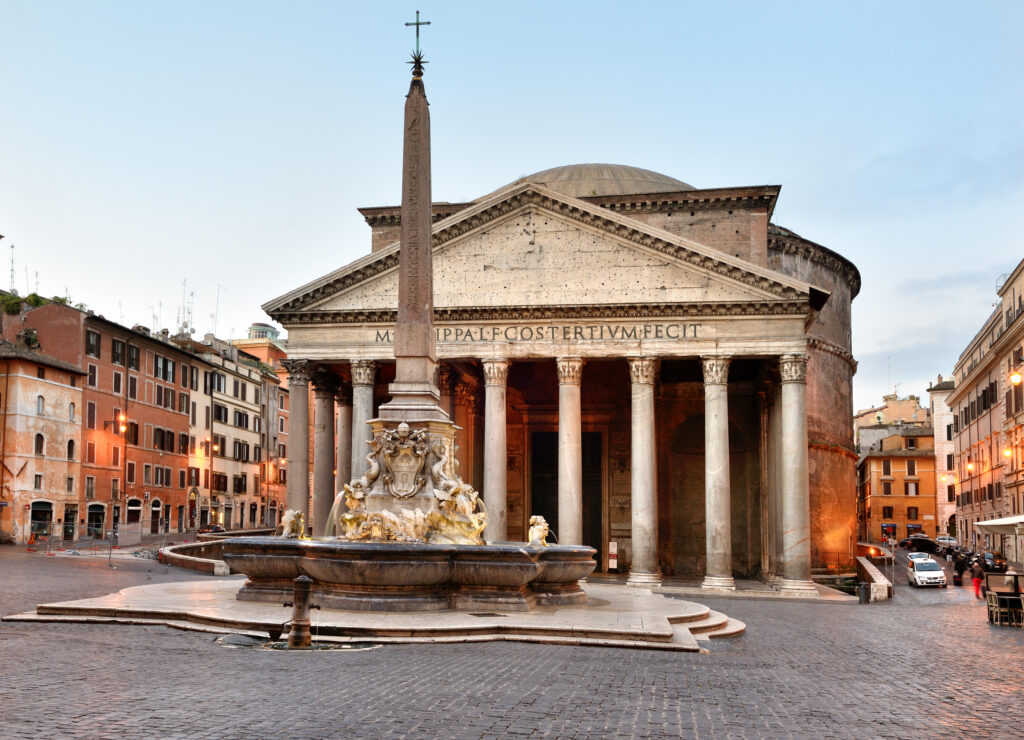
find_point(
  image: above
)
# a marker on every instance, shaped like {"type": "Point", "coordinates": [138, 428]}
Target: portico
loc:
{"type": "Point", "coordinates": [630, 385]}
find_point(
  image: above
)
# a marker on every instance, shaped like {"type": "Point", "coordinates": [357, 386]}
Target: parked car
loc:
{"type": "Point", "coordinates": [211, 529]}
{"type": "Point", "coordinates": [992, 562]}
{"type": "Point", "coordinates": [925, 572]}
{"type": "Point", "coordinates": [946, 540]}
{"type": "Point", "coordinates": [923, 544]}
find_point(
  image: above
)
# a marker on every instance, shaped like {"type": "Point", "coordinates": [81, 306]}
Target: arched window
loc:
{"type": "Point", "coordinates": [39, 444]}
{"type": "Point", "coordinates": [40, 403]}
{"type": "Point", "coordinates": [71, 449]}
{"type": "Point", "coordinates": [71, 411]}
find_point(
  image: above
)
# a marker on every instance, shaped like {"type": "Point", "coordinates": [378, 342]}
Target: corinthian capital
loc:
{"type": "Point", "coordinates": [643, 369]}
{"type": "Point", "coordinates": [716, 370]}
{"type": "Point", "coordinates": [298, 371]}
{"type": "Point", "coordinates": [363, 372]}
{"type": "Point", "coordinates": [793, 368]}
{"type": "Point", "coordinates": [325, 381]}
{"type": "Point", "coordinates": [495, 372]}
{"type": "Point", "coordinates": [570, 370]}
{"type": "Point", "coordinates": [343, 394]}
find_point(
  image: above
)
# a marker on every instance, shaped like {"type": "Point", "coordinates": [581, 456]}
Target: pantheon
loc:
{"type": "Point", "coordinates": [658, 370]}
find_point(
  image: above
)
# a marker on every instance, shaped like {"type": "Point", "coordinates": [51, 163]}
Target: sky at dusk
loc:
{"type": "Point", "coordinates": [150, 151]}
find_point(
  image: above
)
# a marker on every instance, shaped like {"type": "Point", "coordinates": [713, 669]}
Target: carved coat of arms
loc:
{"type": "Point", "coordinates": [404, 454]}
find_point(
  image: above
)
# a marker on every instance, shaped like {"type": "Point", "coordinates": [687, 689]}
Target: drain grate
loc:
{"type": "Point", "coordinates": [487, 614]}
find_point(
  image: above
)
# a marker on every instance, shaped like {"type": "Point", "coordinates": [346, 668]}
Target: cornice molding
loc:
{"type": "Point", "coordinates": [823, 345]}
{"type": "Point", "coordinates": [533, 313]}
{"type": "Point", "coordinates": [818, 255]}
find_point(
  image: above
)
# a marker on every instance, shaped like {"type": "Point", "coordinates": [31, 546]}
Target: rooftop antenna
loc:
{"type": "Point", "coordinates": [37, 281]}
{"type": "Point", "coordinates": [120, 311]}
{"type": "Point", "coordinates": [28, 284]}
{"type": "Point", "coordinates": [216, 309]}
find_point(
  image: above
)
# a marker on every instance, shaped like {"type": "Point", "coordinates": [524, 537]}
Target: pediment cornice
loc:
{"type": "Point", "coordinates": [773, 286]}
{"type": "Point", "coordinates": [624, 311]}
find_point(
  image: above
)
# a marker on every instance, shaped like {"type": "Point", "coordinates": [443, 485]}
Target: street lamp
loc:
{"type": "Point", "coordinates": [970, 466]}
{"type": "Point", "coordinates": [1016, 377]}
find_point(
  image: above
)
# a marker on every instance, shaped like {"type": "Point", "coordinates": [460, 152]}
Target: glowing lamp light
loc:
{"type": "Point", "coordinates": [1016, 377]}
{"type": "Point", "coordinates": [970, 466]}
{"type": "Point", "coordinates": [1007, 452]}
{"type": "Point", "coordinates": [216, 448]}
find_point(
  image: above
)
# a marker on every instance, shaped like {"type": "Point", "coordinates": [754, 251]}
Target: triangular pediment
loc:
{"type": "Point", "coordinates": [529, 247]}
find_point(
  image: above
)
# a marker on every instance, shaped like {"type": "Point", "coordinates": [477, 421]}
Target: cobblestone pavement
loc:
{"type": "Point", "coordinates": [926, 665]}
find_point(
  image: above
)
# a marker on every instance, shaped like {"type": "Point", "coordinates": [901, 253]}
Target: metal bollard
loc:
{"type": "Point", "coordinates": [299, 636]}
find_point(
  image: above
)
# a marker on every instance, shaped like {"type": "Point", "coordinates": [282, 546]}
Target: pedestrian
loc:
{"type": "Point", "coordinates": [959, 566]}
{"type": "Point", "coordinates": [977, 574]}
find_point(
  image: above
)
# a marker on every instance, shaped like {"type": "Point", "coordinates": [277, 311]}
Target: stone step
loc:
{"type": "Point", "coordinates": [711, 622]}
{"type": "Point", "coordinates": [733, 628]}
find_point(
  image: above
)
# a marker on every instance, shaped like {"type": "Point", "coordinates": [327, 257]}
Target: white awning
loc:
{"type": "Point", "coordinates": [1010, 525]}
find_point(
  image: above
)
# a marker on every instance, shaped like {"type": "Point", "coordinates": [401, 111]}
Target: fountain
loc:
{"type": "Point", "coordinates": [408, 535]}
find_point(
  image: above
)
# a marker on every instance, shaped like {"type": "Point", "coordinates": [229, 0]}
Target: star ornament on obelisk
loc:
{"type": "Point", "coordinates": [414, 395]}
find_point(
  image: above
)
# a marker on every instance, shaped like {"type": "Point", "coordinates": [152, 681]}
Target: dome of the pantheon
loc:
{"type": "Point", "coordinates": [584, 180]}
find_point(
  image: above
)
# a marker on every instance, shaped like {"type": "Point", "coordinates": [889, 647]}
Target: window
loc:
{"type": "Point", "coordinates": [219, 445]}
{"type": "Point", "coordinates": [70, 484]}
{"type": "Point", "coordinates": [911, 443]}
{"type": "Point", "coordinates": [115, 488]}
{"type": "Point", "coordinates": [911, 467]}
{"type": "Point", "coordinates": [220, 413]}
{"type": "Point", "coordinates": [949, 432]}
{"type": "Point", "coordinates": [950, 493]}
{"type": "Point", "coordinates": [886, 467]}
{"type": "Point", "coordinates": [115, 456]}
{"type": "Point", "coordinates": [241, 420]}
{"type": "Point", "coordinates": [192, 418]}
{"type": "Point", "coordinates": [37, 481]}
{"type": "Point", "coordinates": [39, 445]}
{"type": "Point", "coordinates": [117, 351]}
{"type": "Point", "coordinates": [147, 474]}
{"type": "Point", "coordinates": [90, 487]}
{"type": "Point", "coordinates": [887, 512]}
{"type": "Point", "coordinates": [117, 383]}
{"type": "Point", "coordinates": [92, 344]}
{"type": "Point", "coordinates": [130, 470]}
{"type": "Point", "coordinates": [195, 378]}
{"type": "Point", "coordinates": [181, 477]}
{"type": "Point", "coordinates": [132, 433]}
{"type": "Point", "coordinates": [282, 475]}
{"type": "Point", "coordinates": [90, 452]}
{"type": "Point", "coordinates": [234, 391]}
{"type": "Point", "coordinates": [133, 387]}
{"type": "Point", "coordinates": [71, 449]}
{"type": "Point", "coordinates": [280, 424]}
{"type": "Point", "coordinates": [281, 451]}
{"type": "Point", "coordinates": [949, 461]}
{"type": "Point", "coordinates": [183, 403]}
{"type": "Point", "coordinates": [911, 512]}
{"type": "Point", "coordinates": [91, 381]}
{"type": "Point", "coordinates": [887, 488]}
{"type": "Point", "coordinates": [910, 488]}
{"type": "Point", "coordinates": [41, 373]}
{"type": "Point", "coordinates": [40, 405]}
{"type": "Point", "coordinates": [159, 395]}
{"type": "Point", "coordinates": [71, 412]}
{"type": "Point", "coordinates": [133, 357]}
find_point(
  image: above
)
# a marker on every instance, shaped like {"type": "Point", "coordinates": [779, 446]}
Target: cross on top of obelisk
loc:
{"type": "Point", "coordinates": [417, 56]}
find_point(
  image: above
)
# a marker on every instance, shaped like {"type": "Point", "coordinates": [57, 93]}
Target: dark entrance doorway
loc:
{"type": "Point", "coordinates": [544, 485]}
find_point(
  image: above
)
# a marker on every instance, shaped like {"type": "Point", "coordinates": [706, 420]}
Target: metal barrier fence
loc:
{"type": "Point", "coordinates": [833, 563]}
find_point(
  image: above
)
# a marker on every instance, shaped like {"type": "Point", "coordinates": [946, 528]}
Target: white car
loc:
{"type": "Point", "coordinates": [945, 540]}
{"type": "Point", "coordinates": [918, 556]}
{"type": "Point", "coordinates": [925, 572]}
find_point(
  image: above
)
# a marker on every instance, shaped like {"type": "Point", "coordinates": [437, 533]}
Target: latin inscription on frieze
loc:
{"type": "Point", "coordinates": [557, 333]}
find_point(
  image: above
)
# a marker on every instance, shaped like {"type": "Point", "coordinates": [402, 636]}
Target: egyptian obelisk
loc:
{"type": "Point", "coordinates": [414, 395]}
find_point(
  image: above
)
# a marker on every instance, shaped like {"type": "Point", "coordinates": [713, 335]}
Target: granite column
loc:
{"type": "Point", "coordinates": [343, 471]}
{"type": "Point", "coordinates": [717, 498]}
{"type": "Point", "coordinates": [643, 569]}
{"type": "Point", "coordinates": [363, 373]}
{"type": "Point", "coordinates": [796, 512]}
{"type": "Point", "coordinates": [298, 436]}
{"type": "Point", "coordinates": [495, 449]}
{"type": "Point", "coordinates": [570, 452]}
{"type": "Point", "coordinates": [325, 386]}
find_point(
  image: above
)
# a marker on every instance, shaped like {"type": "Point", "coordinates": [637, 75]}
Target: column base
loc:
{"type": "Point", "coordinates": [719, 583]}
{"type": "Point", "coordinates": [791, 587]}
{"type": "Point", "coordinates": [643, 578]}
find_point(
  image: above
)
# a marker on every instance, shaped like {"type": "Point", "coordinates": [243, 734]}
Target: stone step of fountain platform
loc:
{"type": "Point", "coordinates": [614, 617]}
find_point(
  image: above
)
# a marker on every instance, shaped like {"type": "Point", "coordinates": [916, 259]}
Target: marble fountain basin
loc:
{"type": "Point", "coordinates": [404, 576]}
